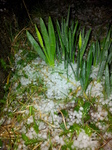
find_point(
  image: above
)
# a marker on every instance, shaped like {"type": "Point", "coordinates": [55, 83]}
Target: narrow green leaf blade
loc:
{"type": "Point", "coordinates": [45, 35]}
{"type": "Point", "coordinates": [102, 64]}
{"type": "Point", "coordinates": [1, 143]}
{"type": "Point", "coordinates": [107, 80]}
{"type": "Point", "coordinates": [66, 41]}
{"type": "Point", "coordinates": [24, 137]}
{"type": "Point", "coordinates": [101, 70]}
{"type": "Point", "coordinates": [78, 66]}
{"type": "Point", "coordinates": [35, 45]}
{"type": "Point", "coordinates": [75, 127]}
{"type": "Point", "coordinates": [84, 44]}
{"type": "Point", "coordinates": [52, 41]}
{"type": "Point", "coordinates": [31, 110]}
{"type": "Point", "coordinates": [109, 60]}
{"type": "Point", "coordinates": [94, 54]}
{"type": "Point", "coordinates": [60, 37]}
{"type": "Point", "coordinates": [80, 41]}
{"type": "Point", "coordinates": [88, 130]}
{"type": "Point", "coordinates": [98, 53]}
{"type": "Point", "coordinates": [75, 28]}
{"type": "Point", "coordinates": [83, 75]}
{"type": "Point", "coordinates": [68, 16]}
{"type": "Point", "coordinates": [46, 39]}
{"type": "Point", "coordinates": [86, 108]}
{"type": "Point", "coordinates": [36, 127]}
{"type": "Point", "coordinates": [39, 36]}
{"type": "Point", "coordinates": [70, 45]}
{"type": "Point", "coordinates": [73, 70]}
{"type": "Point", "coordinates": [89, 65]}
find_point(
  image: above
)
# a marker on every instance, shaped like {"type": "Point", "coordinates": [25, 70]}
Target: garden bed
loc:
{"type": "Point", "coordinates": [60, 94]}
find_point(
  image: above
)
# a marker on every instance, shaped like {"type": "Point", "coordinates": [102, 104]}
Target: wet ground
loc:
{"type": "Point", "coordinates": [90, 13]}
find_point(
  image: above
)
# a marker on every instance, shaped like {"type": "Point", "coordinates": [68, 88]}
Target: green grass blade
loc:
{"type": "Point", "coordinates": [65, 38]}
{"type": "Point", "coordinates": [98, 53]}
{"type": "Point", "coordinates": [44, 33]}
{"type": "Point", "coordinates": [68, 16]}
{"type": "Point", "coordinates": [62, 26]}
{"type": "Point", "coordinates": [89, 65]}
{"type": "Point", "coordinates": [84, 44]}
{"type": "Point", "coordinates": [111, 82]}
{"type": "Point", "coordinates": [24, 137]}
{"type": "Point", "coordinates": [39, 37]}
{"type": "Point", "coordinates": [59, 54]}
{"type": "Point", "coordinates": [83, 33]}
{"type": "Point", "coordinates": [109, 60]}
{"type": "Point", "coordinates": [52, 39]}
{"type": "Point", "coordinates": [94, 54]}
{"type": "Point", "coordinates": [80, 41]}
{"type": "Point", "coordinates": [45, 37]}
{"type": "Point", "coordinates": [78, 66]}
{"type": "Point", "coordinates": [74, 39]}
{"type": "Point", "coordinates": [83, 75]}
{"type": "Point", "coordinates": [73, 70]}
{"type": "Point", "coordinates": [60, 38]}
{"type": "Point", "coordinates": [103, 63]}
{"type": "Point", "coordinates": [108, 37]}
{"type": "Point", "coordinates": [75, 29]}
{"type": "Point", "coordinates": [41, 43]}
{"type": "Point", "coordinates": [35, 45]}
{"type": "Point", "coordinates": [101, 70]}
{"type": "Point", "coordinates": [105, 48]}
{"type": "Point", "coordinates": [36, 127]}
{"type": "Point", "coordinates": [65, 35]}
{"type": "Point", "coordinates": [70, 44]}
{"type": "Point", "coordinates": [107, 80]}
{"type": "Point", "coordinates": [72, 25]}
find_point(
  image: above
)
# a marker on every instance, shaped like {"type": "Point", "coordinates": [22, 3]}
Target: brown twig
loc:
{"type": "Point", "coordinates": [63, 119]}
{"type": "Point", "coordinates": [37, 145]}
{"type": "Point", "coordinates": [27, 12]}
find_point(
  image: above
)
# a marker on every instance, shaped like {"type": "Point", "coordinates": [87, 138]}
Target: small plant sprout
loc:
{"type": "Point", "coordinates": [67, 38]}
{"type": "Point", "coordinates": [80, 41]}
{"type": "Point", "coordinates": [47, 42]}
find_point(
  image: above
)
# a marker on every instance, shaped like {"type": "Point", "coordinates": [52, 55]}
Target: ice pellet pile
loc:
{"type": "Point", "coordinates": [50, 111]}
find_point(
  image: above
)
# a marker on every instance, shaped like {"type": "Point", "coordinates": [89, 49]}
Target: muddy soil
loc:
{"type": "Point", "coordinates": [90, 13]}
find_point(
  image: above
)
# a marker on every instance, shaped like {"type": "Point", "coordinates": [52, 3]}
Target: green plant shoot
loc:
{"type": "Point", "coordinates": [80, 41]}
{"type": "Point", "coordinates": [47, 42]}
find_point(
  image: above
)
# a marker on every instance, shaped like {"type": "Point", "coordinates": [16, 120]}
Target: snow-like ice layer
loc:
{"type": "Point", "coordinates": [58, 88]}
{"type": "Point", "coordinates": [55, 78]}
{"type": "Point", "coordinates": [84, 141]}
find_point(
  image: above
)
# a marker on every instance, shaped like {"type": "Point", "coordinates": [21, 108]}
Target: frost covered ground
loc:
{"type": "Point", "coordinates": [48, 110]}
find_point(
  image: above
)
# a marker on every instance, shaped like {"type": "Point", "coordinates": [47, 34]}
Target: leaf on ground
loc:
{"type": "Point", "coordinates": [36, 127]}
{"type": "Point", "coordinates": [86, 107]}
{"type": "Point", "coordinates": [1, 143]}
{"type": "Point", "coordinates": [75, 128]}
{"type": "Point", "coordinates": [64, 112]}
{"type": "Point", "coordinates": [88, 130]}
